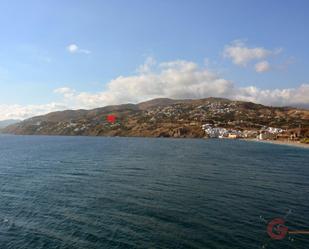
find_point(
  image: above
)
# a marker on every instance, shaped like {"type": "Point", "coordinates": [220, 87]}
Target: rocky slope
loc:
{"type": "Point", "coordinates": [163, 117]}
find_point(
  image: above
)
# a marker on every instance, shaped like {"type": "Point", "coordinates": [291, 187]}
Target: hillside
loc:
{"type": "Point", "coordinates": [163, 117]}
{"type": "Point", "coordinates": [7, 122]}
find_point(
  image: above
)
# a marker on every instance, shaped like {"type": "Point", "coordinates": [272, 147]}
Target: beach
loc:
{"type": "Point", "coordinates": [281, 142]}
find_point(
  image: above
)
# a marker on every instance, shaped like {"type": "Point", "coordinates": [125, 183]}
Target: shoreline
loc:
{"type": "Point", "coordinates": [276, 142]}
{"type": "Point", "coordinates": [279, 142]}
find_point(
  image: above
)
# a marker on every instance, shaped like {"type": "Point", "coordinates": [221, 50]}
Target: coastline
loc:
{"type": "Point", "coordinates": [277, 142]}
{"type": "Point", "coordinates": [280, 142]}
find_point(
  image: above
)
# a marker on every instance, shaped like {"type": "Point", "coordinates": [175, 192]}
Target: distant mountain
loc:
{"type": "Point", "coordinates": [163, 117]}
{"type": "Point", "coordinates": [7, 122]}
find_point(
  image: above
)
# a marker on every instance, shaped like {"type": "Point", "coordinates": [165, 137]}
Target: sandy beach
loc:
{"type": "Point", "coordinates": [287, 143]}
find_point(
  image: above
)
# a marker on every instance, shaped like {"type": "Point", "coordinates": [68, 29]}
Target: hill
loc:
{"type": "Point", "coordinates": [163, 117]}
{"type": "Point", "coordinates": [7, 122]}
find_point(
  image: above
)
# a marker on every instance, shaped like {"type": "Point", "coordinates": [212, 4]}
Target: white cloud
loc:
{"type": "Point", "coordinates": [277, 97]}
{"type": "Point", "coordinates": [174, 79]}
{"type": "Point", "coordinates": [23, 112]}
{"type": "Point", "coordinates": [145, 68]}
{"type": "Point", "coordinates": [262, 66]}
{"type": "Point", "coordinates": [74, 49]}
{"type": "Point", "coordinates": [181, 79]}
{"type": "Point", "coordinates": [65, 91]}
{"type": "Point", "coordinates": [241, 55]}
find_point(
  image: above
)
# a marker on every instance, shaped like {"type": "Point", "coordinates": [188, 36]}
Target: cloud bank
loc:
{"type": "Point", "coordinates": [23, 112]}
{"type": "Point", "coordinates": [181, 79]}
{"type": "Point", "coordinates": [175, 79]}
{"type": "Point", "coordinates": [178, 79]}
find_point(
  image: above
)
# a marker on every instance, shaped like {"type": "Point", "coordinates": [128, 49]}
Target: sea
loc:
{"type": "Point", "coordinates": [103, 192]}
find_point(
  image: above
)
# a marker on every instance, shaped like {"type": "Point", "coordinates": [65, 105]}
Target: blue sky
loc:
{"type": "Point", "coordinates": [70, 54]}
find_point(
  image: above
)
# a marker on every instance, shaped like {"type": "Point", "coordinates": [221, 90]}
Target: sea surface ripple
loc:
{"type": "Point", "coordinates": [95, 192]}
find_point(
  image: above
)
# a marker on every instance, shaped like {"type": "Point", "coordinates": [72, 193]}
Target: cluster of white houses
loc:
{"type": "Point", "coordinates": [266, 133]}
{"type": "Point", "coordinates": [217, 132]}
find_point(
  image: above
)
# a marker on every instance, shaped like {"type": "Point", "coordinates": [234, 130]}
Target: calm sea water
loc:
{"type": "Point", "coordinates": [94, 192]}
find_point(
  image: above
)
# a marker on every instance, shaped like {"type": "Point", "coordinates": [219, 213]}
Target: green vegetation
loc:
{"type": "Point", "coordinates": [305, 140]}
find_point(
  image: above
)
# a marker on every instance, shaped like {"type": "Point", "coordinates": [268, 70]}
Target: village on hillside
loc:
{"type": "Point", "coordinates": [265, 133]}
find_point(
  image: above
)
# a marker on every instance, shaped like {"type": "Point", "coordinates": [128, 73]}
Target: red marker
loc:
{"type": "Point", "coordinates": [111, 118]}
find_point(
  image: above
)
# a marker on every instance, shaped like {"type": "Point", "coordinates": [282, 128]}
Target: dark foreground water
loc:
{"type": "Point", "coordinates": [87, 192]}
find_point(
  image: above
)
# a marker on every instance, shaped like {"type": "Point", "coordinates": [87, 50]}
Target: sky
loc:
{"type": "Point", "coordinates": [57, 55]}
